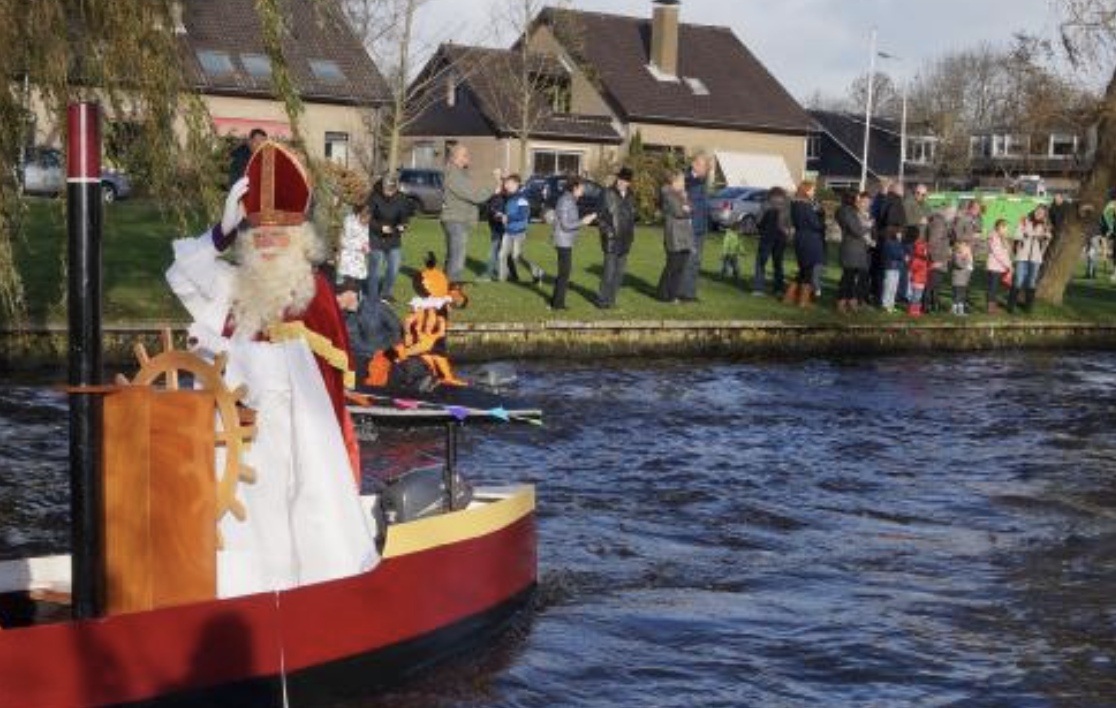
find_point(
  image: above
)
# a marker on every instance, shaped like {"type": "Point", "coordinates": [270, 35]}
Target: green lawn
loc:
{"type": "Point", "coordinates": [137, 251]}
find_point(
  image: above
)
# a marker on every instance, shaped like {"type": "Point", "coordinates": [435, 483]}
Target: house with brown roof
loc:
{"type": "Point", "coordinates": [471, 96]}
{"type": "Point", "coordinates": [682, 87]}
{"type": "Point", "coordinates": [340, 87]}
{"type": "Point", "coordinates": [222, 48]}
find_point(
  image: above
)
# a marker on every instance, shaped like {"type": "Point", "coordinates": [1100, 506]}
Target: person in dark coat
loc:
{"type": "Point", "coordinates": [238, 159]}
{"type": "Point", "coordinates": [809, 245]}
{"type": "Point", "coordinates": [617, 226]}
{"type": "Point", "coordinates": [697, 194]}
{"type": "Point", "coordinates": [372, 325]}
{"type": "Point", "coordinates": [678, 238]}
{"type": "Point", "coordinates": [391, 212]}
{"type": "Point", "coordinates": [855, 221]}
{"type": "Point", "coordinates": [891, 226]}
{"type": "Point", "coordinates": [775, 230]}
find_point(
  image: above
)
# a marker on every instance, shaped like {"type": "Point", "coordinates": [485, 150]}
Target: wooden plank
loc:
{"type": "Point", "coordinates": [127, 500]}
{"type": "Point", "coordinates": [183, 498]}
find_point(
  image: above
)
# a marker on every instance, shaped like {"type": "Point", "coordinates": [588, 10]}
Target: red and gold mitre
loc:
{"type": "Point", "coordinates": [278, 188]}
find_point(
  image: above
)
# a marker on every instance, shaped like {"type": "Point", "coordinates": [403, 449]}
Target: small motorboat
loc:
{"type": "Point", "coordinates": [452, 575]}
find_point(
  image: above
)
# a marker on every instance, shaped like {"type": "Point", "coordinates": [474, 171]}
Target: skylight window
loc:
{"type": "Point", "coordinates": [697, 86]}
{"type": "Point", "coordinates": [326, 70]}
{"type": "Point", "coordinates": [216, 63]}
{"type": "Point", "coordinates": [257, 65]}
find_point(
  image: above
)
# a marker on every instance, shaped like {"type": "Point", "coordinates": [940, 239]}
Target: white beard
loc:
{"type": "Point", "coordinates": [267, 290]}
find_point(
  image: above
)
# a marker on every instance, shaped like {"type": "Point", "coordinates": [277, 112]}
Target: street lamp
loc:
{"type": "Point", "coordinates": [868, 109]}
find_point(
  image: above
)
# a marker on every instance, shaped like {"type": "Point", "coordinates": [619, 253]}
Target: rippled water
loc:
{"type": "Point", "coordinates": [889, 532]}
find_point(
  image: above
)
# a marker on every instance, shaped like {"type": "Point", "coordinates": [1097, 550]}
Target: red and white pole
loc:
{"type": "Point", "coordinates": [83, 210]}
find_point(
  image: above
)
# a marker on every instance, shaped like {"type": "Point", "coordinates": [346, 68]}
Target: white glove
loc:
{"type": "Point", "coordinates": [234, 210]}
{"type": "Point", "coordinates": [204, 342]}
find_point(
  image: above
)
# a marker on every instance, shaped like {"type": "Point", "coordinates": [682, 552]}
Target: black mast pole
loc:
{"type": "Point", "coordinates": [83, 209]}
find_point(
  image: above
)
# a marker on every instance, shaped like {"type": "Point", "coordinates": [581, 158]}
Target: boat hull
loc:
{"type": "Point", "coordinates": [444, 583]}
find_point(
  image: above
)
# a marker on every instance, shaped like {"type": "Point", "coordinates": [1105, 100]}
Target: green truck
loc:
{"type": "Point", "coordinates": [997, 205]}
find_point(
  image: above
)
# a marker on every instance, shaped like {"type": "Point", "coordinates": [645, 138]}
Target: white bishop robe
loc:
{"type": "Point", "coordinates": [305, 520]}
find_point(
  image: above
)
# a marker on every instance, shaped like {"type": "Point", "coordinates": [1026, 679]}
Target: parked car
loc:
{"type": "Point", "coordinates": [543, 194]}
{"type": "Point", "coordinates": [44, 173]}
{"type": "Point", "coordinates": [737, 208]}
{"type": "Point", "coordinates": [424, 188]}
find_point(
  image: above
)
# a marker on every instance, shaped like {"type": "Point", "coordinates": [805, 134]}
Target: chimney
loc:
{"type": "Point", "coordinates": [664, 37]}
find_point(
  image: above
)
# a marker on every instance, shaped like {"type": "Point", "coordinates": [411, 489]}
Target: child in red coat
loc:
{"type": "Point", "coordinates": [919, 274]}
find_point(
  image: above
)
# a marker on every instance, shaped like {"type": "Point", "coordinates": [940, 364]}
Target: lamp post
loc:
{"type": "Point", "coordinates": [868, 110]}
{"type": "Point", "coordinates": [903, 140]}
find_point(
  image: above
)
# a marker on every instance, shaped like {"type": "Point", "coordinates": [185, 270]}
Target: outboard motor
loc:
{"type": "Point", "coordinates": [422, 493]}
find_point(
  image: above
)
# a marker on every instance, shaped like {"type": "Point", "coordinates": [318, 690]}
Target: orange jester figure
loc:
{"type": "Point", "coordinates": [424, 334]}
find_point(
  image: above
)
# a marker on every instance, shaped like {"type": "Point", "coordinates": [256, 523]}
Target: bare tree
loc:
{"type": "Point", "coordinates": [1088, 34]}
{"type": "Point", "coordinates": [887, 96]}
{"type": "Point", "coordinates": [527, 86]}
{"type": "Point", "coordinates": [389, 31]}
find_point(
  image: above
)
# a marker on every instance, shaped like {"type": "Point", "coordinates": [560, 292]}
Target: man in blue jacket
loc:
{"type": "Point", "coordinates": [697, 192]}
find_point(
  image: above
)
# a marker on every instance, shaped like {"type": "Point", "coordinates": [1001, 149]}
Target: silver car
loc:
{"type": "Point", "coordinates": [423, 188]}
{"type": "Point", "coordinates": [44, 173]}
{"type": "Point", "coordinates": [737, 208]}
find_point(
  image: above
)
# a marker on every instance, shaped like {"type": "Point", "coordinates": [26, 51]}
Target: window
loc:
{"type": "Point", "coordinates": [424, 154]}
{"type": "Point", "coordinates": [327, 71]}
{"type": "Point", "coordinates": [813, 147]}
{"type": "Point", "coordinates": [921, 151]}
{"type": "Point", "coordinates": [980, 146]}
{"type": "Point", "coordinates": [451, 91]}
{"type": "Point", "coordinates": [216, 63]}
{"type": "Point", "coordinates": [1063, 146]}
{"type": "Point", "coordinates": [1008, 146]}
{"type": "Point", "coordinates": [697, 86]}
{"type": "Point", "coordinates": [557, 93]}
{"type": "Point", "coordinates": [337, 148]}
{"type": "Point", "coordinates": [556, 162]}
{"type": "Point", "coordinates": [258, 66]}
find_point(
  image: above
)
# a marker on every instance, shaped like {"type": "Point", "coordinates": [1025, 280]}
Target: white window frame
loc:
{"type": "Point", "coordinates": [558, 153]}
{"type": "Point", "coordinates": [333, 139]}
{"type": "Point", "coordinates": [921, 150]}
{"type": "Point", "coordinates": [1009, 145]}
{"type": "Point", "coordinates": [1064, 138]}
{"type": "Point", "coordinates": [813, 146]}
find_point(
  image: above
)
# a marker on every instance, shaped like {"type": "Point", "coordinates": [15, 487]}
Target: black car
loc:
{"type": "Point", "coordinates": [543, 193]}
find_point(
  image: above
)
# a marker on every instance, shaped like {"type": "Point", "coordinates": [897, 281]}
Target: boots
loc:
{"type": "Point", "coordinates": [915, 309]}
{"type": "Point", "coordinates": [805, 296]}
{"type": "Point", "coordinates": [791, 296]}
{"type": "Point", "coordinates": [1029, 300]}
{"type": "Point", "coordinates": [844, 307]}
{"type": "Point", "coordinates": [1013, 299]}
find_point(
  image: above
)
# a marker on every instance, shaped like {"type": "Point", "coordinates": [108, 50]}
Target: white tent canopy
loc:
{"type": "Point", "coordinates": [744, 169]}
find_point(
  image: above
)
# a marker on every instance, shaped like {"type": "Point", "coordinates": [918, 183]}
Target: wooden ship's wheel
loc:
{"type": "Point", "coordinates": [235, 430]}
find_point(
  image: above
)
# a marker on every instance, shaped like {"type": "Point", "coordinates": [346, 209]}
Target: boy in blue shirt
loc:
{"type": "Point", "coordinates": [516, 218]}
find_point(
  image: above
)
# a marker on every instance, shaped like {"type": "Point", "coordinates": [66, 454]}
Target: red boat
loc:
{"type": "Point", "coordinates": [446, 583]}
{"type": "Point", "coordinates": [146, 500]}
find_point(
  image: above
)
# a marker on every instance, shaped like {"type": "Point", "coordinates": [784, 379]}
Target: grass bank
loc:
{"type": "Point", "coordinates": [137, 251]}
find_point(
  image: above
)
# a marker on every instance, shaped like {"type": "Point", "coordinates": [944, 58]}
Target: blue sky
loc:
{"type": "Point", "coordinates": [808, 44]}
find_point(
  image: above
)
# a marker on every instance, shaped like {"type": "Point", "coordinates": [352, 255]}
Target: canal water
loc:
{"type": "Point", "coordinates": [915, 531]}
